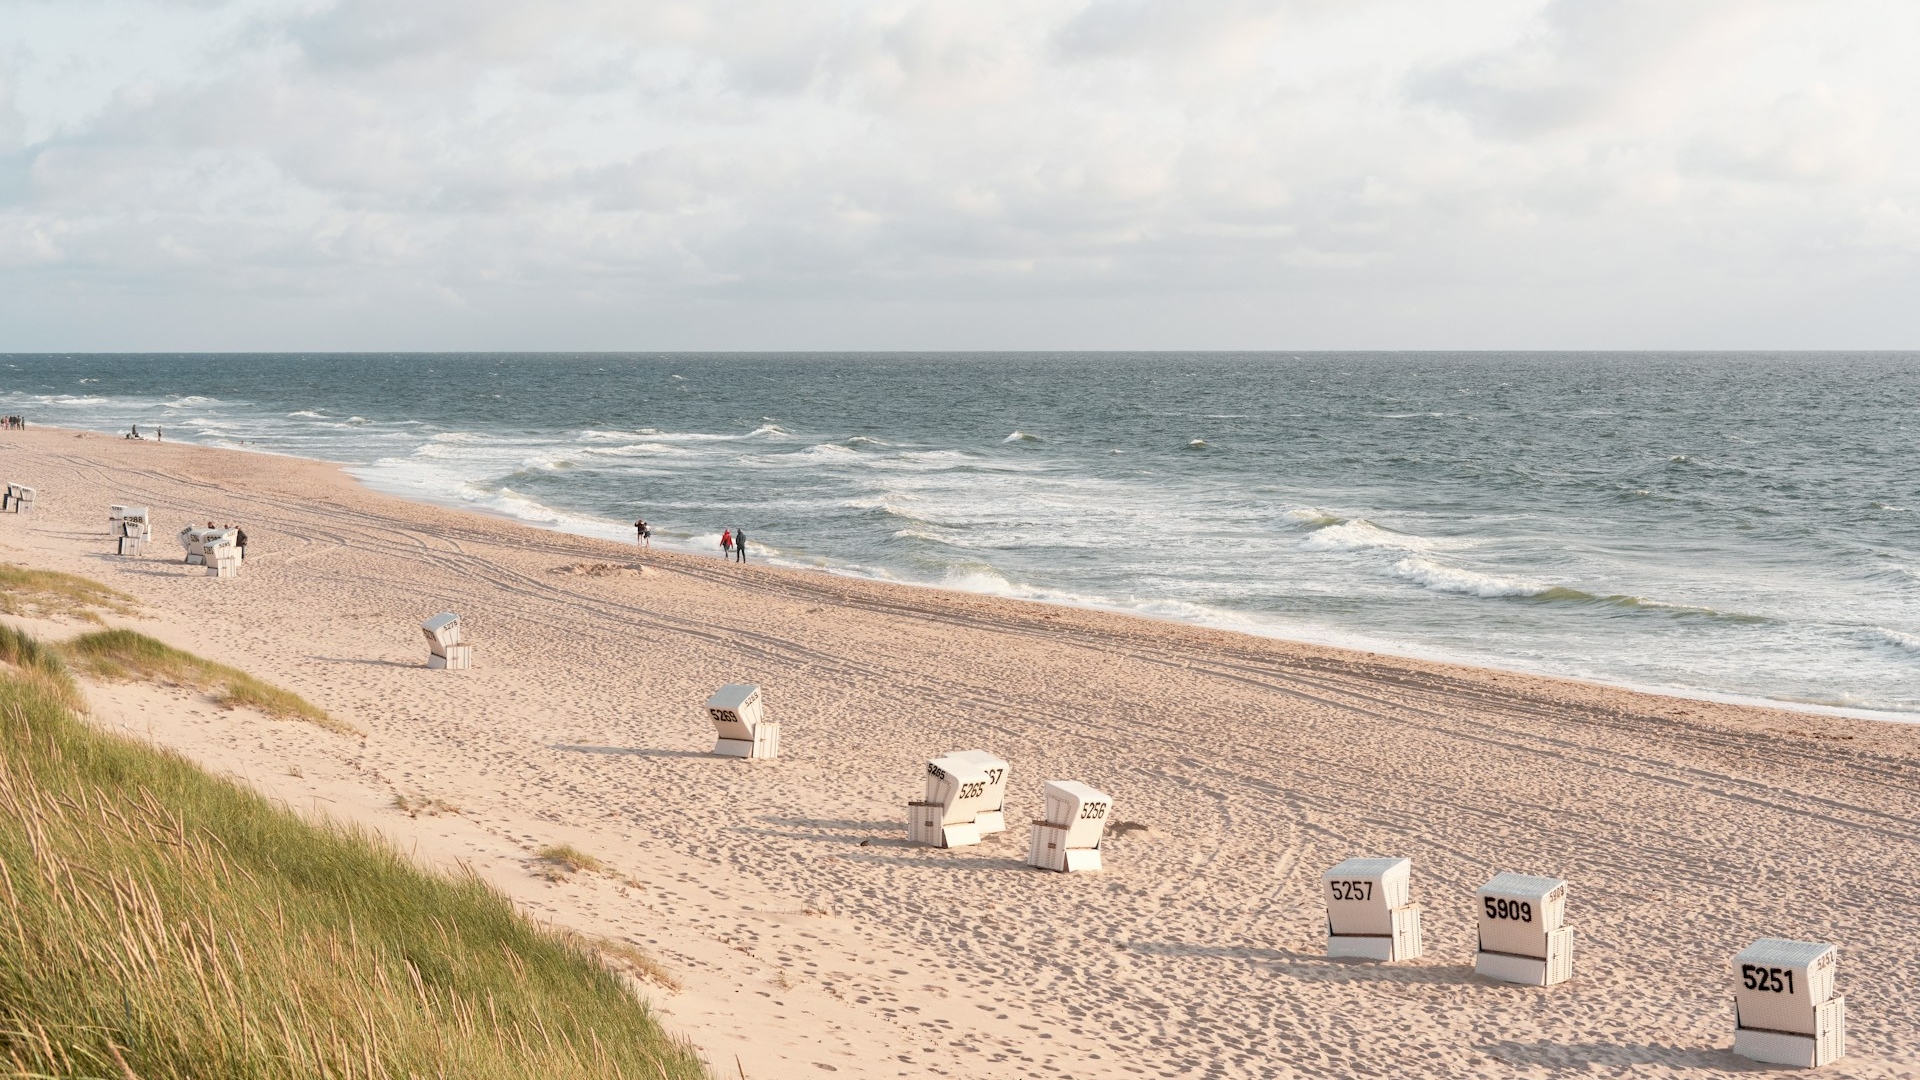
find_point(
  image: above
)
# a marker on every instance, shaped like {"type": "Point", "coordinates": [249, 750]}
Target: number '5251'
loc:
{"type": "Point", "coordinates": [1754, 977]}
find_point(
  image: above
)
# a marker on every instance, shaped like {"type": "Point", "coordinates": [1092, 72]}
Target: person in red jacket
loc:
{"type": "Point", "coordinates": [726, 543]}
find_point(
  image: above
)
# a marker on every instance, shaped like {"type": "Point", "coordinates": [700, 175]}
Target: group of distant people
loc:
{"type": "Point", "coordinates": [733, 541]}
{"type": "Point", "coordinates": [158, 435]}
{"type": "Point", "coordinates": [16, 421]}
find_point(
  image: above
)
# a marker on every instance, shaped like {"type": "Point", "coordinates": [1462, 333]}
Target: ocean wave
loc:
{"type": "Point", "coordinates": [1022, 437]}
{"type": "Point", "coordinates": [639, 449]}
{"type": "Point", "coordinates": [1903, 642]}
{"type": "Point", "coordinates": [1311, 516]}
{"type": "Point", "coordinates": [1359, 534]}
{"type": "Point", "coordinates": [1199, 444]}
{"type": "Point", "coordinates": [310, 414]}
{"type": "Point", "coordinates": [70, 399]}
{"type": "Point", "coordinates": [827, 452]}
{"type": "Point", "coordinates": [769, 430]}
{"type": "Point", "coordinates": [1878, 505]}
{"type": "Point", "coordinates": [1451, 579]}
{"type": "Point", "coordinates": [862, 440]}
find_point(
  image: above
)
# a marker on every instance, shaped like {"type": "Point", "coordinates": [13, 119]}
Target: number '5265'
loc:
{"type": "Point", "coordinates": [1754, 977]}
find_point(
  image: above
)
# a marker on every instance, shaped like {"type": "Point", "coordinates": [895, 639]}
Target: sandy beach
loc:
{"type": "Point", "coordinates": [809, 938]}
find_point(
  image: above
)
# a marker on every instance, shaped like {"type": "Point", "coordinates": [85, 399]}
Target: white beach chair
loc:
{"type": "Point", "coordinates": [1785, 1010]}
{"type": "Point", "coordinates": [221, 557]}
{"type": "Point", "coordinates": [1067, 838]}
{"type": "Point", "coordinates": [1370, 910]}
{"type": "Point", "coordinates": [131, 521]}
{"type": "Point", "coordinates": [445, 651]}
{"type": "Point", "coordinates": [740, 725]}
{"type": "Point", "coordinates": [1523, 936]}
{"type": "Point", "coordinates": [957, 788]}
{"type": "Point", "coordinates": [991, 817]}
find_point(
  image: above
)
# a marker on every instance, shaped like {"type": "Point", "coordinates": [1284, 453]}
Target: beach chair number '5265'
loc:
{"type": "Point", "coordinates": [1766, 978]}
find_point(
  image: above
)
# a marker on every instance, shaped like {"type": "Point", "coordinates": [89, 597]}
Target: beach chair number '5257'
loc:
{"type": "Point", "coordinates": [1352, 890]}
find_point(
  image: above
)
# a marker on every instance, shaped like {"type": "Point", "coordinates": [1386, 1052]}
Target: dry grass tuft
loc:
{"type": "Point", "coordinates": [129, 656]}
{"type": "Point", "coordinates": [415, 805]}
{"type": "Point", "coordinates": [635, 961]}
{"type": "Point", "coordinates": [571, 858]}
{"type": "Point", "coordinates": [50, 594]}
{"type": "Point", "coordinates": [158, 922]}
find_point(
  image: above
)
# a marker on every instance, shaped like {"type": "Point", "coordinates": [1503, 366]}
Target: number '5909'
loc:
{"type": "Point", "coordinates": [1754, 977]}
{"type": "Point", "coordinates": [1508, 909]}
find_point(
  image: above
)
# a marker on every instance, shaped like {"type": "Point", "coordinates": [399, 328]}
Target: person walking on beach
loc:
{"type": "Point", "coordinates": [726, 543]}
{"type": "Point", "coordinates": [740, 543]}
{"type": "Point", "coordinates": [642, 534]}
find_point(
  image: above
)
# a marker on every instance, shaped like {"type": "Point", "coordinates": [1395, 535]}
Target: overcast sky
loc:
{"type": "Point", "coordinates": [961, 174]}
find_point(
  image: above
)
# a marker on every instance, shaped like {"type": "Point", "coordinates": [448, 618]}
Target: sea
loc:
{"type": "Point", "coordinates": [1738, 526]}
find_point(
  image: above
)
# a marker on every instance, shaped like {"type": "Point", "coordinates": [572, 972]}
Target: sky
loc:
{"type": "Point", "coordinates": [963, 174]}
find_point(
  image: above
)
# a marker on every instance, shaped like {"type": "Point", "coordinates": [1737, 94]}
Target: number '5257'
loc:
{"type": "Point", "coordinates": [1754, 977]}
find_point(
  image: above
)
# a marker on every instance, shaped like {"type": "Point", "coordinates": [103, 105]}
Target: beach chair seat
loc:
{"type": "Point", "coordinates": [1067, 839]}
{"type": "Point", "coordinates": [445, 650]}
{"type": "Point", "coordinates": [1370, 910]}
{"type": "Point", "coordinates": [741, 729]}
{"type": "Point", "coordinates": [948, 817]}
{"type": "Point", "coordinates": [1522, 936]}
{"type": "Point", "coordinates": [1785, 1010]}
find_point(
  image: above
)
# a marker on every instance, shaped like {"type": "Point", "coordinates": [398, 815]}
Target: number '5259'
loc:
{"type": "Point", "coordinates": [1754, 977]}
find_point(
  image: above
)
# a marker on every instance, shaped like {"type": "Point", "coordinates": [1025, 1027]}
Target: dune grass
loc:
{"type": "Point", "coordinates": [160, 923]}
{"type": "Point", "coordinates": [44, 594]}
{"type": "Point", "coordinates": [127, 655]}
{"type": "Point", "coordinates": [571, 857]}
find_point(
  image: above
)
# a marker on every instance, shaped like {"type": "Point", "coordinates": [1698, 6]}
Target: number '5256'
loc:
{"type": "Point", "coordinates": [1754, 977]}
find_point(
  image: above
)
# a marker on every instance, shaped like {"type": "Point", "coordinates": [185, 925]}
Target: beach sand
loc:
{"type": "Point", "coordinates": [811, 939]}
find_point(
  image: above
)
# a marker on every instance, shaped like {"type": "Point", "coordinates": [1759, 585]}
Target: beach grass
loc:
{"type": "Point", "coordinates": [572, 858]}
{"type": "Point", "coordinates": [128, 655]}
{"type": "Point", "coordinates": [163, 924]}
{"type": "Point", "coordinates": [41, 594]}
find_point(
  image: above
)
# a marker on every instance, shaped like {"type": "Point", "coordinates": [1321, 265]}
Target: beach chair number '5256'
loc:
{"type": "Point", "coordinates": [1352, 890]}
{"type": "Point", "coordinates": [1093, 811]}
{"type": "Point", "coordinates": [1766, 978]}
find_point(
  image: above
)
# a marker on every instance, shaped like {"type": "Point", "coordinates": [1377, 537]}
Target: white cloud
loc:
{"type": "Point", "coordinates": [906, 173]}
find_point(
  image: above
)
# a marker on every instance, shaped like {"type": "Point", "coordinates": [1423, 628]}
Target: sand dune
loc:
{"type": "Point", "coordinates": [812, 939]}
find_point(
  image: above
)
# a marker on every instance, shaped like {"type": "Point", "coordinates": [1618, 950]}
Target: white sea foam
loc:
{"type": "Point", "coordinates": [310, 414]}
{"type": "Point", "coordinates": [1359, 534]}
{"type": "Point", "coordinates": [640, 449]}
{"type": "Point", "coordinates": [1907, 642]}
{"type": "Point", "coordinates": [1450, 579]}
{"type": "Point", "coordinates": [1022, 437]}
